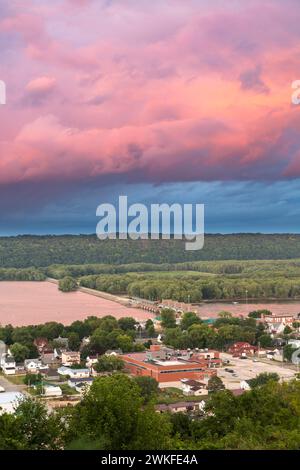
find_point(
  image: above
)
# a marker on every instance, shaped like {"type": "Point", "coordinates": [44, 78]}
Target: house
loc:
{"type": "Point", "coordinates": [3, 349]}
{"type": "Point", "coordinates": [9, 401]}
{"type": "Point", "coordinates": [57, 353]}
{"type": "Point", "coordinates": [194, 387]}
{"type": "Point", "coordinates": [242, 349]}
{"type": "Point", "coordinates": [275, 355]}
{"type": "Point", "coordinates": [80, 384]}
{"type": "Point", "coordinates": [41, 344]}
{"type": "Point", "coordinates": [91, 361]}
{"type": "Point", "coordinates": [113, 352]}
{"type": "Point", "coordinates": [52, 391]}
{"type": "Point", "coordinates": [244, 385]}
{"type": "Point", "coordinates": [284, 318]}
{"type": "Point", "coordinates": [48, 359]}
{"type": "Point", "coordinates": [51, 374]}
{"type": "Point", "coordinates": [34, 366]}
{"type": "Point", "coordinates": [8, 364]}
{"type": "Point", "coordinates": [70, 358]}
{"type": "Point", "coordinates": [73, 373]}
{"type": "Point", "coordinates": [182, 406]}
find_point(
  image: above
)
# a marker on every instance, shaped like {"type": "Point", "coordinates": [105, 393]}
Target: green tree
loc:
{"type": "Point", "coordinates": [287, 330]}
{"type": "Point", "coordinates": [111, 416]}
{"type": "Point", "coordinates": [67, 284]}
{"type": "Point", "coordinates": [148, 387]}
{"type": "Point", "coordinates": [265, 341]}
{"type": "Point", "coordinates": [74, 341]}
{"type": "Point", "coordinates": [109, 364]}
{"type": "Point", "coordinates": [32, 379]}
{"type": "Point", "coordinates": [263, 379]}
{"type": "Point", "coordinates": [288, 351]}
{"type": "Point", "coordinates": [168, 318]}
{"type": "Point", "coordinates": [39, 428]}
{"type": "Point", "coordinates": [19, 352]}
{"type": "Point", "coordinates": [189, 319]}
{"type": "Point", "coordinates": [127, 323]}
{"type": "Point", "coordinates": [215, 384]}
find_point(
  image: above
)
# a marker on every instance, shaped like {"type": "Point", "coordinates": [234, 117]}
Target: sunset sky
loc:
{"type": "Point", "coordinates": [162, 100]}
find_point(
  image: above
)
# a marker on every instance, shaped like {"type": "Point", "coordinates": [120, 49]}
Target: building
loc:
{"type": "Point", "coordinates": [285, 318]}
{"type": "Point", "coordinates": [50, 360]}
{"type": "Point", "coordinates": [8, 364]}
{"type": "Point", "coordinates": [275, 355]}
{"type": "Point", "coordinates": [167, 365]}
{"type": "Point", "coordinates": [34, 366]}
{"type": "Point", "coordinates": [193, 387]}
{"type": "Point", "coordinates": [73, 373]}
{"type": "Point", "coordinates": [242, 349]}
{"type": "Point", "coordinates": [52, 391]}
{"type": "Point", "coordinates": [80, 385]}
{"type": "Point", "coordinates": [51, 374]}
{"type": "Point", "coordinates": [244, 385]}
{"type": "Point", "coordinates": [294, 342]}
{"type": "Point", "coordinates": [182, 407]}
{"type": "Point", "coordinates": [41, 344]}
{"type": "Point", "coordinates": [70, 358]}
{"type": "Point", "coordinates": [3, 349]}
{"type": "Point", "coordinates": [9, 401]}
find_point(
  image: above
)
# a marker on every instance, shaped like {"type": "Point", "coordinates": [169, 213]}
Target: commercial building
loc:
{"type": "Point", "coordinates": [168, 365]}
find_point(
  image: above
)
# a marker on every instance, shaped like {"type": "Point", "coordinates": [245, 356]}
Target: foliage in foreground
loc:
{"type": "Point", "coordinates": [113, 416]}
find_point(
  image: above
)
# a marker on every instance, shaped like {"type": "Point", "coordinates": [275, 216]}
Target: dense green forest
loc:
{"type": "Point", "coordinates": [27, 251]}
{"type": "Point", "coordinates": [161, 269]}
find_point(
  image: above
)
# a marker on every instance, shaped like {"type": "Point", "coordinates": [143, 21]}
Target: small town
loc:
{"type": "Point", "coordinates": [183, 378]}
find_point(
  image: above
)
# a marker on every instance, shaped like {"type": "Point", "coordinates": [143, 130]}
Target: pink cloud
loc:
{"type": "Point", "coordinates": [171, 93]}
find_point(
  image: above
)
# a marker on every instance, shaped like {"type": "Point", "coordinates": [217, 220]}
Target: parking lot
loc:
{"type": "Point", "coordinates": [245, 369]}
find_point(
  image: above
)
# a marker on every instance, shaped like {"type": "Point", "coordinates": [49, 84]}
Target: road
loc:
{"type": "Point", "coordinates": [247, 369]}
{"type": "Point", "coordinates": [9, 386]}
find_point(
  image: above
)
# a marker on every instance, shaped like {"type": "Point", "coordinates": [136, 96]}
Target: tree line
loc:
{"type": "Point", "coordinates": [28, 250]}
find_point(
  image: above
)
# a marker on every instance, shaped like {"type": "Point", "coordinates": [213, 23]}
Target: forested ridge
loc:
{"type": "Point", "coordinates": [40, 251]}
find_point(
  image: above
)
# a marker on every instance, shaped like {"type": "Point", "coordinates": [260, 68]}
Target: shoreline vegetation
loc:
{"type": "Point", "coordinates": [230, 268]}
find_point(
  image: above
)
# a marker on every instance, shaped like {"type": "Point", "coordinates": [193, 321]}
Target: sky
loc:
{"type": "Point", "coordinates": [168, 101]}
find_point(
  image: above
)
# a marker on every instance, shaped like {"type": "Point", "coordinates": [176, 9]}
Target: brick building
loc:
{"type": "Point", "coordinates": [241, 349]}
{"type": "Point", "coordinates": [167, 365]}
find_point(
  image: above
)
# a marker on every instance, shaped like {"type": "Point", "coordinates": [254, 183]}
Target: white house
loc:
{"type": "Point", "coordinates": [193, 387]}
{"type": "Point", "coordinates": [80, 385]}
{"type": "Point", "coordinates": [244, 385]}
{"type": "Point", "coordinates": [52, 391]}
{"type": "Point", "coordinates": [9, 401]}
{"type": "Point", "coordinates": [91, 361]}
{"type": "Point", "coordinates": [276, 355]}
{"type": "Point", "coordinates": [8, 364]}
{"type": "Point", "coordinates": [34, 365]}
{"type": "Point", "coordinates": [73, 373]}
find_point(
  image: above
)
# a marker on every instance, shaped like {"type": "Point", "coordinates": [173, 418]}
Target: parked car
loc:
{"type": "Point", "coordinates": [2, 389]}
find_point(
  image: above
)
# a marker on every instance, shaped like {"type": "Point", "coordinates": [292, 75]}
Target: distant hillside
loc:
{"type": "Point", "coordinates": [27, 251]}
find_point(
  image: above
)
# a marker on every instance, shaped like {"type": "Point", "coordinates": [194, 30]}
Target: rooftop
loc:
{"type": "Point", "coordinates": [10, 397]}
